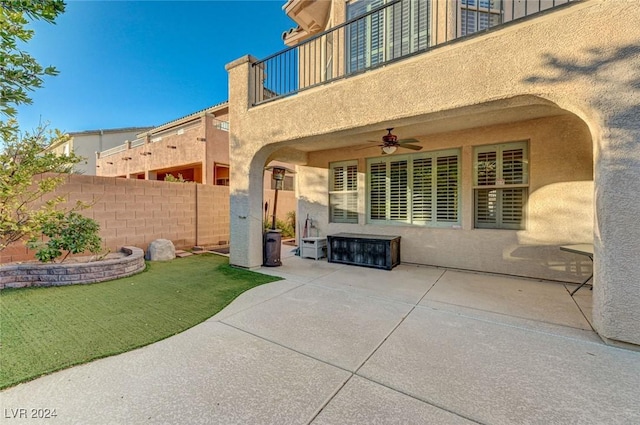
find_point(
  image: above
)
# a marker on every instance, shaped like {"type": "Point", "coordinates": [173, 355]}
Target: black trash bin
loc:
{"type": "Point", "coordinates": [272, 247]}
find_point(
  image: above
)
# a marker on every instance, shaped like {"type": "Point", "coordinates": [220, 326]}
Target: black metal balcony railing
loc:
{"type": "Point", "coordinates": [393, 31]}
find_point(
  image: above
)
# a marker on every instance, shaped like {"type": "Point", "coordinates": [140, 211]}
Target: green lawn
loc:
{"type": "Point", "coordinates": [46, 329]}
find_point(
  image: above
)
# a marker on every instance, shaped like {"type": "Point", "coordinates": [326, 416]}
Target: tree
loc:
{"type": "Point", "coordinates": [23, 164]}
{"type": "Point", "coordinates": [19, 71]}
{"type": "Point", "coordinates": [24, 160]}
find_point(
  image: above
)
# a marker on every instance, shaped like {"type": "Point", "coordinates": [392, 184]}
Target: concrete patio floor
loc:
{"type": "Point", "coordinates": [335, 344]}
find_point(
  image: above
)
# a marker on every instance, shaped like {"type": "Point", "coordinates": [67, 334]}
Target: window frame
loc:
{"type": "Point", "coordinates": [500, 186]}
{"type": "Point", "coordinates": [345, 219]}
{"type": "Point", "coordinates": [391, 33]}
{"type": "Point", "coordinates": [476, 9]}
{"type": "Point", "coordinates": [434, 221]}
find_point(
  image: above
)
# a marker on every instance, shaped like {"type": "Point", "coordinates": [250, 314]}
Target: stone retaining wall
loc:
{"type": "Point", "coordinates": [27, 275]}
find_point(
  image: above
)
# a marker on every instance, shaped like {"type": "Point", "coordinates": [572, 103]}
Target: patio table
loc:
{"type": "Point", "coordinates": [585, 249]}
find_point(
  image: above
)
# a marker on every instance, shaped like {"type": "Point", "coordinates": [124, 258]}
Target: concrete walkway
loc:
{"type": "Point", "coordinates": [335, 344]}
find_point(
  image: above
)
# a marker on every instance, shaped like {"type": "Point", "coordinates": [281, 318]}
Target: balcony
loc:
{"type": "Point", "coordinates": [392, 32]}
{"type": "Point", "coordinates": [180, 149]}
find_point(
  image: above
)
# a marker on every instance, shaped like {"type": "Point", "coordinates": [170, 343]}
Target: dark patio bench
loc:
{"type": "Point", "coordinates": [376, 251]}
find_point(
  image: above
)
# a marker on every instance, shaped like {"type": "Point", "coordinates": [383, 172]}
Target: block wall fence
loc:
{"type": "Point", "coordinates": [134, 212]}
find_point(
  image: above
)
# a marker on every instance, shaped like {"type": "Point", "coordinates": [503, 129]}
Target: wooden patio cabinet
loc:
{"type": "Point", "coordinates": [377, 251]}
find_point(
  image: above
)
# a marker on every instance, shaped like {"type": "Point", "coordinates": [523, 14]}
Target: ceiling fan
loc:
{"type": "Point", "coordinates": [390, 143]}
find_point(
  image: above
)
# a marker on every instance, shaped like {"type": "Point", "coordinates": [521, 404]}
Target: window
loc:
{"type": "Point", "coordinates": [501, 185]}
{"type": "Point", "coordinates": [478, 15]}
{"type": "Point", "coordinates": [390, 33]}
{"type": "Point", "coordinates": [343, 192]}
{"type": "Point", "coordinates": [221, 174]}
{"type": "Point", "coordinates": [419, 189]}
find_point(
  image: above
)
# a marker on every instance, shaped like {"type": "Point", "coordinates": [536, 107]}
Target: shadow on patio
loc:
{"type": "Point", "coordinates": [474, 292]}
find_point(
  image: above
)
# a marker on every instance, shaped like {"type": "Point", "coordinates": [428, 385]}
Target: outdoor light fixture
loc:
{"type": "Point", "coordinates": [277, 173]}
{"type": "Point", "coordinates": [389, 149]}
{"type": "Point", "coordinates": [273, 238]}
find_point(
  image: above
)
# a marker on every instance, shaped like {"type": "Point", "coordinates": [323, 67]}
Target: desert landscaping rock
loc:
{"type": "Point", "coordinates": [161, 250]}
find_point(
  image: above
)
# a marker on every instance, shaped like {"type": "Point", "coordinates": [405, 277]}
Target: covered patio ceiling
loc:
{"type": "Point", "coordinates": [521, 108]}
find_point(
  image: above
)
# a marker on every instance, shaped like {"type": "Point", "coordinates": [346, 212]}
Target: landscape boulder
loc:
{"type": "Point", "coordinates": [161, 250]}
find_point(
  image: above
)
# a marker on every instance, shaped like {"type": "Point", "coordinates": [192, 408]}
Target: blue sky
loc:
{"type": "Point", "coordinates": [139, 63]}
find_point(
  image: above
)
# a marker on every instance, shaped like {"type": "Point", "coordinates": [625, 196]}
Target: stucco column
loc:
{"type": "Point", "coordinates": [246, 217]}
{"type": "Point", "coordinates": [246, 172]}
{"type": "Point", "coordinates": [616, 297]}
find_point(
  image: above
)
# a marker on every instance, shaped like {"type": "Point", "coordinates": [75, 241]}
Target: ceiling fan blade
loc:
{"type": "Point", "coordinates": [408, 141]}
{"type": "Point", "coordinates": [365, 147]}
{"type": "Point", "coordinates": [412, 147]}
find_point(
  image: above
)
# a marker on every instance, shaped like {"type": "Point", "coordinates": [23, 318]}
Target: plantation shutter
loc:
{"type": "Point", "coordinates": [486, 206]}
{"type": "Point", "coordinates": [447, 189]}
{"type": "Point", "coordinates": [500, 208]}
{"type": "Point", "coordinates": [420, 27]}
{"type": "Point", "coordinates": [365, 38]}
{"type": "Point", "coordinates": [513, 163]}
{"type": "Point", "coordinates": [419, 189]}
{"type": "Point", "coordinates": [409, 27]}
{"type": "Point", "coordinates": [478, 15]}
{"type": "Point", "coordinates": [422, 198]}
{"type": "Point", "coordinates": [401, 29]}
{"type": "Point", "coordinates": [512, 207]}
{"type": "Point", "coordinates": [356, 36]}
{"type": "Point", "coordinates": [378, 191]}
{"type": "Point", "coordinates": [343, 193]}
{"type": "Point", "coordinates": [513, 166]}
{"type": "Point", "coordinates": [398, 196]}
{"type": "Point", "coordinates": [376, 35]}
{"type": "Point", "coordinates": [500, 180]}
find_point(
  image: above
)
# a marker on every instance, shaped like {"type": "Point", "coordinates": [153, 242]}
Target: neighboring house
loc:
{"type": "Point", "coordinates": [194, 147]}
{"type": "Point", "coordinates": [526, 117]}
{"type": "Point", "coordinates": [87, 143]}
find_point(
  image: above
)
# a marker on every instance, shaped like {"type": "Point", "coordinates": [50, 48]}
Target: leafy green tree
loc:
{"type": "Point", "coordinates": [19, 71]}
{"type": "Point", "coordinates": [27, 172]}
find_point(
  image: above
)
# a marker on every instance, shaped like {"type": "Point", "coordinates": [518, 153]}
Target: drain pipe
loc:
{"type": "Point", "coordinates": [196, 220]}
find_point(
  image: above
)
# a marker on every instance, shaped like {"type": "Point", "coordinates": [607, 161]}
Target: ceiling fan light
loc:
{"type": "Point", "coordinates": [389, 149]}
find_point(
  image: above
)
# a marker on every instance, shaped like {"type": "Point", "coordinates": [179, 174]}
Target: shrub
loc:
{"type": "Point", "coordinates": [288, 231]}
{"type": "Point", "coordinates": [66, 231]}
{"type": "Point", "coordinates": [174, 179]}
{"type": "Point", "coordinates": [288, 227]}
